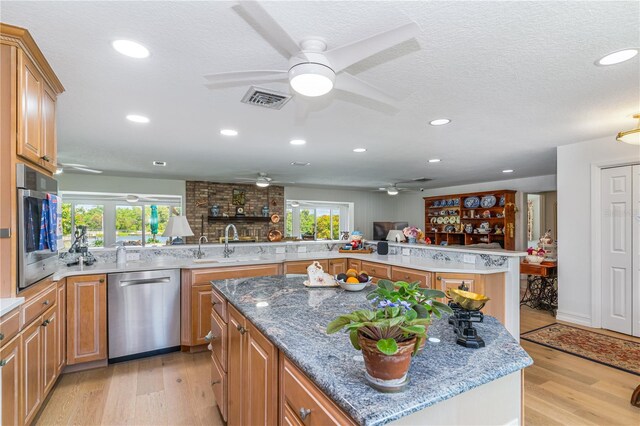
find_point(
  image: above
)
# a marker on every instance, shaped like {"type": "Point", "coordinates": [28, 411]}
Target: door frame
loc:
{"type": "Point", "coordinates": [596, 233]}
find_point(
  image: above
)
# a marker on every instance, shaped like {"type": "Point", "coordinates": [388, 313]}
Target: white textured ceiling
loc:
{"type": "Point", "coordinates": [517, 79]}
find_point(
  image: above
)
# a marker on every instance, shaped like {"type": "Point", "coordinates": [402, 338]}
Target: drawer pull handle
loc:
{"type": "Point", "coordinates": [46, 302]}
{"type": "Point", "coordinates": [208, 337]}
{"type": "Point", "coordinates": [3, 362]}
{"type": "Point", "coordinates": [46, 323]}
{"type": "Point", "coordinates": [439, 278]}
{"type": "Point", "coordinates": [304, 413]}
{"type": "Point", "coordinates": [241, 329]}
{"type": "Point", "coordinates": [213, 303]}
{"type": "Point", "coordinates": [101, 280]}
{"type": "Point", "coordinates": [1, 336]}
{"type": "Point", "coordinates": [216, 382]}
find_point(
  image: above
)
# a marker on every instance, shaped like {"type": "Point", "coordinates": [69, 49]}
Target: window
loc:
{"type": "Point", "coordinates": [113, 219]}
{"type": "Point", "coordinates": [318, 220]}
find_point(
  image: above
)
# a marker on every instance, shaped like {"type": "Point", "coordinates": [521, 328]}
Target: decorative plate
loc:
{"type": "Point", "coordinates": [456, 202]}
{"type": "Point", "coordinates": [440, 220]}
{"type": "Point", "coordinates": [446, 220]}
{"type": "Point", "coordinates": [275, 218]}
{"type": "Point", "coordinates": [485, 225]}
{"type": "Point", "coordinates": [471, 202]}
{"type": "Point", "coordinates": [436, 204]}
{"type": "Point", "coordinates": [488, 201]}
{"type": "Point", "coordinates": [502, 201]}
{"type": "Point", "coordinates": [433, 220]}
{"type": "Point", "coordinates": [449, 228]}
{"type": "Point", "coordinates": [457, 219]}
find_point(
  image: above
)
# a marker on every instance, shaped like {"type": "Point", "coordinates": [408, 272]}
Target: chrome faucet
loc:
{"type": "Point", "coordinates": [227, 251]}
{"type": "Point", "coordinates": [199, 253]}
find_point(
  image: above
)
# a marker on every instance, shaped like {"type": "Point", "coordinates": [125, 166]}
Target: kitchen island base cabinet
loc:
{"type": "Point", "coordinates": [252, 374]}
{"type": "Point", "coordinates": [491, 285]}
{"type": "Point", "coordinates": [86, 318]}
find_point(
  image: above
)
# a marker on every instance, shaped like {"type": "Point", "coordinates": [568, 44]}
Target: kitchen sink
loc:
{"type": "Point", "coordinates": [226, 260]}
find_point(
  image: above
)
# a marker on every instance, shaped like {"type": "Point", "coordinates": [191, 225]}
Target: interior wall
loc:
{"type": "Point", "coordinates": [535, 200]}
{"type": "Point", "coordinates": [575, 162]}
{"type": "Point", "coordinates": [369, 206]}
{"type": "Point", "coordinates": [410, 205]}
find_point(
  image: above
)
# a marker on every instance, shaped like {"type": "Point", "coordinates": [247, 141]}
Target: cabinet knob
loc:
{"type": "Point", "coordinates": [439, 278]}
{"type": "Point", "coordinates": [101, 280]}
{"type": "Point", "coordinates": [3, 362]}
{"type": "Point", "coordinates": [304, 412]}
{"type": "Point", "coordinates": [46, 323]}
{"type": "Point", "coordinates": [241, 329]}
{"type": "Point", "coordinates": [216, 382]}
{"type": "Point", "coordinates": [1, 336]}
{"type": "Point", "coordinates": [46, 158]}
{"type": "Point", "coordinates": [46, 302]}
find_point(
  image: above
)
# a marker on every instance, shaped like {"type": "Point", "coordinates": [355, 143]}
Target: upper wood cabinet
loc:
{"type": "Point", "coordinates": [10, 360]}
{"type": "Point", "coordinates": [86, 318]}
{"type": "Point", "coordinates": [34, 99]}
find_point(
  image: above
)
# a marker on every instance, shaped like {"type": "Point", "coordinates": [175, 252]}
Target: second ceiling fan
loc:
{"type": "Point", "coordinates": [312, 69]}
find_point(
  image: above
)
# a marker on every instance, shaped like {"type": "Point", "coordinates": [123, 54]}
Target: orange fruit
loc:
{"type": "Point", "coordinates": [351, 272]}
{"type": "Point", "coordinates": [352, 280]}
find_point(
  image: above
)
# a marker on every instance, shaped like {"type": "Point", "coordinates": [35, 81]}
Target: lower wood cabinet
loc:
{"type": "Point", "coordinates": [61, 352]}
{"type": "Point", "coordinates": [252, 374]}
{"type": "Point", "coordinates": [412, 275]}
{"type": "Point", "coordinates": [32, 370]}
{"type": "Point", "coordinates": [377, 271]}
{"type": "Point", "coordinates": [50, 345]}
{"type": "Point", "coordinates": [10, 362]}
{"type": "Point", "coordinates": [300, 266]}
{"type": "Point", "coordinates": [86, 318]}
{"type": "Point", "coordinates": [491, 285]}
{"type": "Point", "coordinates": [337, 266]}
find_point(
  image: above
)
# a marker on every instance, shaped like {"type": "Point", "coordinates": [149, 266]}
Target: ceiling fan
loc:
{"type": "Point", "coordinates": [393, 189]}
{"type": "Point", "coordinates": [79, 167]}
{"type": "Point", "coordinates": [312, 69]}
{"type": "Point", "coordinates": [133, 198]}
{"type": "Point", "coordinates": [261, 180]}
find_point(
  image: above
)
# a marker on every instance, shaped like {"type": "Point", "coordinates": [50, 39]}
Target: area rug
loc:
{"type": "Point", "coordinates": [608, 350]}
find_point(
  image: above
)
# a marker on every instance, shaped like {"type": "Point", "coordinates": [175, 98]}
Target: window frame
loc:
{"type": "Point", "coordinates": [346, 214]}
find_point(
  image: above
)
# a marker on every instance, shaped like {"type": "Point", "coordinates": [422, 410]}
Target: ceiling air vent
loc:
{"type": "Point", "coordinates": [265, 98]}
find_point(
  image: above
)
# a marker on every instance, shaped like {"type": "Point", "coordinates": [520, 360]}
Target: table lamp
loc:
{"type": "Point", "coordinates": [395, 236]}
{"type": "Point", "coordinates": [177, 227]}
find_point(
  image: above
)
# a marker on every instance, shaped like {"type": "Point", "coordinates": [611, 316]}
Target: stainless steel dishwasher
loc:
{"type": "Point", "coordinates": [144, 313]}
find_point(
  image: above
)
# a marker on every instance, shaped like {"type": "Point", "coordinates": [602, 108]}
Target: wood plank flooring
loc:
{"type": "Point", "coordinates": [173, 389]}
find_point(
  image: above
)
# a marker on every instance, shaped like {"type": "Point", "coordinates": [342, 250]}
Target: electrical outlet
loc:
{"type": "Point", "coordinates": [133, 256]}
{"type": "Point", "coordinates": [469, 258]}
{"type": "Point", "coordinates": [281, 250]}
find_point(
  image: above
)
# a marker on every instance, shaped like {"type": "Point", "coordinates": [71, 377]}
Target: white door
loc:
{"type": "Point", "coordinates": [617, 260]}
{"type": "Point", "coordinates": [635, 286]}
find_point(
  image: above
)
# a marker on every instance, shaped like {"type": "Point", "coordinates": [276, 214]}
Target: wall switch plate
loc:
{"type": "Point", "coordinates": [302, 249]}
{"type": "Point", "coordinates": [469, 258]}
{"type": "Point", "coordinates": [281, 250]}
{"type": "Point", "coordinates": [406, 252]}
{"type": "Point", "coordinates": [133, 256]}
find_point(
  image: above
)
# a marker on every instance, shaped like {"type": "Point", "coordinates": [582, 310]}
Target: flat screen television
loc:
{"type": "Point", "coordinates": [381, 229]}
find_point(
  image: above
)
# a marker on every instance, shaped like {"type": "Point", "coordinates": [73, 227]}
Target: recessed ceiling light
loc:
{"type": "Point", "coordinates": [137, 118]}
{"type": "Point", "coordinates": [297, 142]}
{"type": "Point", "coordinates": [617, 57]}
{"type": "Point", "coordinates": [507, 171]}
{"type": "Point", "coordinates": [434, 160]}
{"type": "Point", "coordinates": [131, 49]}
{"type": "Point", "coordinates": [440, 122]}
{"type": "Point", "coordinates": [360, 150]}
{"type": "Point", "coordinates": [300, 163]}
{"type": "Point", "coordinates": [228, 132]}
{"type": "Point", "coordinates": [160, 163]}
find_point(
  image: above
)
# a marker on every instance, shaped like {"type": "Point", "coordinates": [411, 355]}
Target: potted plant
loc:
{"type": "Point", "coordinates": [421, 300]}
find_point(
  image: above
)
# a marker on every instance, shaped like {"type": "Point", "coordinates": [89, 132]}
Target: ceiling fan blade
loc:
{"type": "Point", "coordinates": [86, 169]}
{"type": "Point", "coordinates": [72, 165]}
{"type": "Point", "coordinates": [348, 54]}
{"type": "Point", "coordinates": [229, 77]}
{"type": "Point", "coordinates": [350, 83]}
{"type": "Point", "coordinates": [276, 34]}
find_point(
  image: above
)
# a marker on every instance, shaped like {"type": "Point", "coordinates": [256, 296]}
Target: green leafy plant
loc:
{"type": "Point", "coordinates": [421, 300]}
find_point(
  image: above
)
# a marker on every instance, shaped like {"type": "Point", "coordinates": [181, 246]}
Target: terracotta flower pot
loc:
{"type": "Point", "coordinates": [386, 367]}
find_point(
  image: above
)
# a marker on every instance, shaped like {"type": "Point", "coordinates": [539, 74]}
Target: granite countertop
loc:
{"type": "Point", "coordinates": [9, 304]}
{"type": "Point", "coordinates": [419, 263]}
{"type": "Point", "coordinates": [295, 320]}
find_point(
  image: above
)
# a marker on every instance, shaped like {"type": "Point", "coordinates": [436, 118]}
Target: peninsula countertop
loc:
{"type": "Point", "coordinates": [419, 263]}
{"type": "Point", "coordinates": [295, 317]}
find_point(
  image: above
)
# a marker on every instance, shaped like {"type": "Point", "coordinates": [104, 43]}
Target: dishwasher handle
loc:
{"type": "Point", "coordinates": [125, 283]}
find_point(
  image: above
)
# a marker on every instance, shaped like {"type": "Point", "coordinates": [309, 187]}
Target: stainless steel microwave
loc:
{"type": "Point", "coordinates": [34, 264]}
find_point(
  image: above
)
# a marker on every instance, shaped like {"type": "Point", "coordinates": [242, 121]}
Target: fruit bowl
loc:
{"type": "Point", "coordinates": [354, 286]}
{"type": "Point", "coordinates": [534, 258]}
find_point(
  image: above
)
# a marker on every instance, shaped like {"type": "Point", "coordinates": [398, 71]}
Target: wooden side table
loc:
{"type": "Point", "coordinates": [542, 286]}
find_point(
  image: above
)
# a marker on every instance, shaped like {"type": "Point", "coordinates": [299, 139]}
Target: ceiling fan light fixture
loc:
{"type": "Point", "coordinates": [262, 183]}
{"type": "Point", "coordinates": [311, 79]}
{"type": "Point", "coordinates": [295, 204]}
{"type": "Point", "coordinates": [130, 48]}
{"type": "Point", "coordinates": [617, 57]}
{"type": "Point", "coordinates": [632, 137]}
{"type": "Point", "coordinates": [132, 198]}
{"type": "Point", "coordinates": [59, 171]}
{"type": "Point", "coordinates": [392, 190]}
{"type": "Point", "coordinates": [440, 122]}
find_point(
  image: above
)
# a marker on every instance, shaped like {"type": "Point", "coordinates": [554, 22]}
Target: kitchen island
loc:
{"type": "Point", "coordinates": [448, 383]}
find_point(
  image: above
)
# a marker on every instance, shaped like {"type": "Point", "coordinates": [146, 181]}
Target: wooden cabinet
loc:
{"type": "Point", "coordinates": [50, 341]}
{"type": "Point", "coordinates": [86, 318]}
{"type": "Point", "coordinates": [448, 280]}
{"type": "Point", "coordinates": [61, 344]}
{"type": "Point", "coordinates": [300, 266]}
{"type": "Point", "coordinates": [33, 98]}
{"type": "Point", "coordinates": [219, 385]}
{"type": "Point", "coordinates": [196, 298]}
{"type": "Point", "coordinates": [252, 374]}
{"type": "Point", "coordinates": [491, 285]}
{"type": "Point", "coordinates": [376, 271]}
{"type": "Point", "coordinates": [411, 275]}
{"type": "Point", "coordinates": [9, 326]}
{"type": "Point", "coordinates": [302, 402]}
{"type": "Point", "coordinates": [32, 374]}
{"type": "Point", "coordinates": [337, 266]}
{"type": "Point", "coordinates": [354, 264]}
{"type": "Point", "coordinates": [219, 339]}
{"type": "Point", "coordinates": [10, 364]}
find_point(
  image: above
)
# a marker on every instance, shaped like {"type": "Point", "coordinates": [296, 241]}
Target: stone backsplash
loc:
{"type": "Point", "coordinates": [201, 195]}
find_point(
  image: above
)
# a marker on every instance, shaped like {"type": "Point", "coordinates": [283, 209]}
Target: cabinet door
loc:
{"type": "Point", "coordinates": [235, 361]}
{"type": "Point", "coordinates": [355, 264]}
{"type": "Point", "coordinates": [260, 379]}
{"type": "Point", "coordinates": [447, 281]}
{"type": "Point", "coordinates": [31, 370]}
{"type": "Point", "coordinates": [10, 361]}
{"type": "Point", "coordinates": [300, 266]}
{"type": "Point", "coordinates": [61, 351]}
{"type": "Point", "coordinates": [49, 141]}
{"type": "Point", "coordinates": [377, 270]}
{"type": "Point", "coordinates": [337, 266]}
{"type": "Point", "coordinates": [86, 319]}
{"type": "Point", "coordinates": [50, 341]}
{"type": "Point", "coordinates": [200, 313]}
{"type": "Point", "coordinates": [411, 275]}
{"type": "Point", "coordinates": [30, 92]}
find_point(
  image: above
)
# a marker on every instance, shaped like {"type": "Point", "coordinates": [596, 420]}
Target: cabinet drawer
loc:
{"type": "Point", "coordinates": [304, 397]}
{"type": "Point", "coordinates": [219, 339]}
{"type": "Point", "coordinates": [376, 270]}
{"type": "Point", "coordinates": [300, 266]}
{"type": "Point", "coordinates": [9, 326]}
{"type": "Point", "coordinates": [34, 307]}
{"type": "Point", "coordinates": [203, 276]}
{"type": "Point", "coordinates": [411, 275]}
{"type": "Point", "coordinates": [219, 304]}
{"type": "Point", "coordinates": [219, 386]}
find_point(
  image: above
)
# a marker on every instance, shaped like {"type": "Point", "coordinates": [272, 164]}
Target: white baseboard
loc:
{"type": "Point", "coordinates": [574, 318]}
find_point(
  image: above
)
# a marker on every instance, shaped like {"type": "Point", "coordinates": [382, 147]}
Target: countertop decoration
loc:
{"type": "Point", "coordinates": [391, 332]}
{"type": "Point", "coordinates": [413, 234]}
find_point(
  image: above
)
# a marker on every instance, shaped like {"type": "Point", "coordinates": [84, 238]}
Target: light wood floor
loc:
{"type": "Point", "coordinates": [173, 389]}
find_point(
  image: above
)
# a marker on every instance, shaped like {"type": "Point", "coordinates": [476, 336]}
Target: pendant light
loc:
{"type": "Point", "coordinates": [631, 136]}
